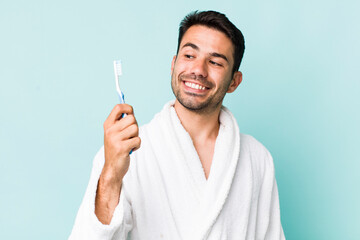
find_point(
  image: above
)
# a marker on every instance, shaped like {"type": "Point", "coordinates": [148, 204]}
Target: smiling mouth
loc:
{"type": "Point", "coordinates": [195, 86]}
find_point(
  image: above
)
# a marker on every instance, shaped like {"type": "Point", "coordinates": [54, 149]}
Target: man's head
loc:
{"type": "Point", "coordinates": [220, 22]}
{"type": "Point", "coordinates": [205, 67]}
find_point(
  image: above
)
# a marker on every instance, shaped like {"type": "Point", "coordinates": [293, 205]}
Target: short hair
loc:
{"type": "Point", "coordinates": [220, 22]}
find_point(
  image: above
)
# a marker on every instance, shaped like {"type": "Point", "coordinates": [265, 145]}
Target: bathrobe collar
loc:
{"type": "Point", "coordinates": [211, 193]}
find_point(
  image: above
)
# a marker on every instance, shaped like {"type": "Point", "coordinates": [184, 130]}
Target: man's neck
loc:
{"type": "Point", "coordinates": [200, 126]}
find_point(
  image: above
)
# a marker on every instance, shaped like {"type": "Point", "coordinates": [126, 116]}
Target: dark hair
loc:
{"type": "Point", "coordinates": [219, 22]}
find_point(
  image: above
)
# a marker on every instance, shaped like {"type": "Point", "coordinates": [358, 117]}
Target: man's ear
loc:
{"type": "Point", "coordinates": [235, 82]}
{"type": "Point", "coordinates": [172, 64]}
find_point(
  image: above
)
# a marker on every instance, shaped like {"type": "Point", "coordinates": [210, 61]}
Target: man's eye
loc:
{"type": "Point", "coordinates": [215, 63]}
{"type": "Point", "coordinates": [189, 56]}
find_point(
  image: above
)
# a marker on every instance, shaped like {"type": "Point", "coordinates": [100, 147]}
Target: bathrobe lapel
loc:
{"type": "Point", "coordinates": [225, 159]}
{"type": "Point", "coordinates": [190, 159]}
{"type": "Point", "coordinates": [212, 193]}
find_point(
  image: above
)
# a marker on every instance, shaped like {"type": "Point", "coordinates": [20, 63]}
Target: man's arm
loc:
{"type": "Point", "coordinates": [121, 135]}
{"type": "Point", "coordinates": [103, 211]}
{"type": "Point", "coordinates": [269, 223]}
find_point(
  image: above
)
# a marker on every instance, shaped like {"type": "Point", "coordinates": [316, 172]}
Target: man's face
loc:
{"type": "Point", "coordinates": [201, 73]}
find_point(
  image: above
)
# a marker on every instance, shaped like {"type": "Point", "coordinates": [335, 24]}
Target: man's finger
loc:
{"type": "Point", "coordinates": [129, 132]}
{"type": "Point", "coordinates": [133, 143]}
{"type": "Point", "coordinates": [123, 123]}
{"type": "Point", "coordinates": [116, 113]}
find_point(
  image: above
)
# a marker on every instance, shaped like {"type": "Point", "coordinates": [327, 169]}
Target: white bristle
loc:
{"type": "Point", "coordinates": [117, 67]}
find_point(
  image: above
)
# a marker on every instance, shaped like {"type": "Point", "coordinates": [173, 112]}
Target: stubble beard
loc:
{"type": "Point", "coordinates": [188, 101]}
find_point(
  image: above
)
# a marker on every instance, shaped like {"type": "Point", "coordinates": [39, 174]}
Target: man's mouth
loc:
{"type": "Point", "coordinates": [194, 85]}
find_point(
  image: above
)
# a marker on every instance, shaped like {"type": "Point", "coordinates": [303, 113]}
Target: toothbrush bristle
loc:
{"type": "Point", "coordinates": [118, 69]}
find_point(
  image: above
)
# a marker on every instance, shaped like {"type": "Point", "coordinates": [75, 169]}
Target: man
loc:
{"type": "Point", "coordinates": [195, 176]}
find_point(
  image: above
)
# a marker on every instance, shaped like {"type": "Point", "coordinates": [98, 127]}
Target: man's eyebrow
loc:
{"type": "Point", "coordinates": [214, 54]}
{"type": "Point", "coordinates": [189, 44]}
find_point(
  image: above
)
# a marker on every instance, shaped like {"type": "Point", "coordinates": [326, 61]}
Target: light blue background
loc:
{"type": "Point", "coordinates": [299, 97]}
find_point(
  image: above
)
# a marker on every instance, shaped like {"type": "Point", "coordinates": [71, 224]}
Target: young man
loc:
{"type": "Point", "coordinates": [194, 176]}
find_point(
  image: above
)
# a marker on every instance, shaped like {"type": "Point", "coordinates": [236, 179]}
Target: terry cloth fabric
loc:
{"type": "Point", "coordinates": [165, 194]}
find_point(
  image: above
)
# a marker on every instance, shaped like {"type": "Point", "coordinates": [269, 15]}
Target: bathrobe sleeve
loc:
{"type": "Point", "coordinates": [269, 223]}
{"type": "Point", "coordinates": [87, 226]}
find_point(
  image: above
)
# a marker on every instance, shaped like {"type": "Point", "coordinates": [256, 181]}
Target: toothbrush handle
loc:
{"type": "Point", "coordinates": [121, 97]}
{"type": "Point", "coordinates": [122, 100]}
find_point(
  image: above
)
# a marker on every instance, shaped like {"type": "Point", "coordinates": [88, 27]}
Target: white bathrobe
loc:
{"type": "Point", "coordinates": [165, 194]}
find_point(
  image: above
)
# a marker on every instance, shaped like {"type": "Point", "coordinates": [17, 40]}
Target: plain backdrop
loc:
{"type": "Point", "coordinates": [299, 97]}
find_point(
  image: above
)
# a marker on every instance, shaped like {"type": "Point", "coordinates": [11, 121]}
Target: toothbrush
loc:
{"type": "Point", "coordinates": [118, 73]}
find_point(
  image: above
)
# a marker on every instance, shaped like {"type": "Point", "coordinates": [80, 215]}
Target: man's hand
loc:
{"type": "Point", "coordinates": [121, 135]}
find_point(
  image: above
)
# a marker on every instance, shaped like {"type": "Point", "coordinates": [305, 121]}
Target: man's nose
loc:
{"type": "Point", "coordinates": [199, 68]}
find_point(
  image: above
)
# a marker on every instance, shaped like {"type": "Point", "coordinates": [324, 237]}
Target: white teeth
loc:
{"type": "Point", "coordinates": [195, 86]}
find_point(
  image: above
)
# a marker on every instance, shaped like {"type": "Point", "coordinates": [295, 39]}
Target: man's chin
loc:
{"type": "Point", "coordinates": [193, 105]}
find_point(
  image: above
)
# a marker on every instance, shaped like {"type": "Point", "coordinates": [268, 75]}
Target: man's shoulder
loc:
{"type": "Point", "coordinates": [150, 125]}
{"type": "Point", "coordinates": [255, 150]}
{"type": "Point", "coordinates": [251, 142]}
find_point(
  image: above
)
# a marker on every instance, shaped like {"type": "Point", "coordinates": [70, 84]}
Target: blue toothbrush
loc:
{"type": "Point", "coordinates": [118, 73]}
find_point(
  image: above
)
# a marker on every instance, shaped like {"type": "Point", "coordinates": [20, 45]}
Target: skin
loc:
{"type": "Point", "coordinates": [202, 54]}
{"type": "Point", "coordinates": [121, 135]}
{"type": "Point", "coordinates": [205, 57]}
